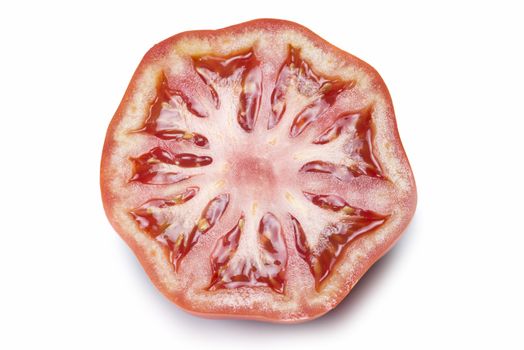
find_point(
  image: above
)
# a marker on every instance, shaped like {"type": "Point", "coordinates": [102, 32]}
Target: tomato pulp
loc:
{"type": "Point", "coordinates": [256, 171]}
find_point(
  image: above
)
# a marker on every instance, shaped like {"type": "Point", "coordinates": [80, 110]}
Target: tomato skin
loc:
{"type": "Point", "coordinates": [305, 311]}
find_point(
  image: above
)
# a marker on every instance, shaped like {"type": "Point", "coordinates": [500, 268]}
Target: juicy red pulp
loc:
{"type": "Point", "coordinates": [168, 164]}
{"type": "Point", "coordinates": [247, 66]}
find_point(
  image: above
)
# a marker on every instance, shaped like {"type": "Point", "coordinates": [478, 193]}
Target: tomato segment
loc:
{"type": "Point", "coordinates": [359, 148]}
{"type": "Point", "coordinates": [210, 215]}
{"type": "Point", "coordinates": [214, 70]}
{"type": "Point", "coordinates": [150, 219]}
{"type": "Point", "coordinates": [165, 119]}
{"type": "Point", "coordinates": [263, 164]}
{"type": "Point", "coordinates": [267, 269]}
{"type": "Point", "coordinates": [337, 237]}
{"type": "Point", "coordinates": [224, 250]}
{"type": "Point", "coordinates": [355, 222]}
{"type": "Point", "coordinates": [322, 91]}
{"type": "Point", "coordinates": [150, 167]}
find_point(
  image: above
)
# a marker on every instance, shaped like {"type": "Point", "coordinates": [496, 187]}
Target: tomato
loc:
{"type": "Point", "coordinates": [256, 171]}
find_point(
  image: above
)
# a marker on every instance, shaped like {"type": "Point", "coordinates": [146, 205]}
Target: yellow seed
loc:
{"type": "Point", "coordinates": [317, 268]}
{"type": "Point", "coordinates": [220, 183]}
{"type": "Point", "coordinates": [203, 224]}
{"type": "Point", "coordinates": [326, 87]}
{"type": "Point", "coordinates": [348, 210]}
{"type": "Point", "coordinates": [241, 224]}
{"type": "Point", "coordinates": [153, 161]}
{"type": "Point", "coordinates": [178, 199]}
{"type": "Point", "coordinates": [179, 239]}
{"type": "Point", "coordinates": [187, 136]}
{"type": "Point", "coordinates": [302, 71]}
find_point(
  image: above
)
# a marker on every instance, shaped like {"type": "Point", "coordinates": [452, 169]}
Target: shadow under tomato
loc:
{"type": "Point", "coordinates": [345, 312]}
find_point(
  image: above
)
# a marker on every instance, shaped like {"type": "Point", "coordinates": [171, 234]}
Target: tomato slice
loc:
{"type": "Point", "coordinates": [256, 171]}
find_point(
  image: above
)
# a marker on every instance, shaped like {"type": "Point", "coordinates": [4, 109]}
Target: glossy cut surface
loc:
{"type": "Point", "coordinates": [254, 182]}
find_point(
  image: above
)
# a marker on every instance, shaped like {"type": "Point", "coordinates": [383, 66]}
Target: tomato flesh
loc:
{"type": "Point", "coordinates": [257, 174]}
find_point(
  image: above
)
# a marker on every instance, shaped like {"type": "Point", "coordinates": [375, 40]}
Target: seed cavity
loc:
{"type": "Point", "coordinates": [335, 237]}
{"type": "Point", "coordinates": [150, 216]}
{"type": "Point", "coordinates": [266, 268]}
{"type": "Point", "coordinates": [220, 71]}
{"type": "Point", "coordinates": [153, 167]}
{"type": "Point", "coordinates": [209, 217]}
{"type": "Point", "coordinates": [166, 117]}
{"type": "Point", "coordinates": [359, 147]}
{"type": "Point", "coordinates": [322, 92]}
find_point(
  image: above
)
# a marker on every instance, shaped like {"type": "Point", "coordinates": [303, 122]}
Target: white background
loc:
{"type": "Point", "coordinates": [455, 72]}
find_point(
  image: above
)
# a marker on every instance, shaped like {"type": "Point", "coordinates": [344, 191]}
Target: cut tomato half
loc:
{"type": "Point", "coordinates": [256, 171]}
